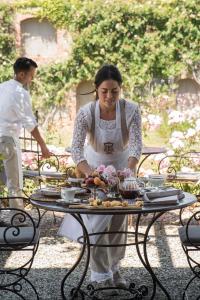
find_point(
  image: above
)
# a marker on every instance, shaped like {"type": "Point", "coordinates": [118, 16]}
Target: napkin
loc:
{"type": "Point", "coordinates": [170, 200]}
{"type": "Point", "coordinates": [167, 200]}
{"type": "Point", "coordinates": [163, 193]}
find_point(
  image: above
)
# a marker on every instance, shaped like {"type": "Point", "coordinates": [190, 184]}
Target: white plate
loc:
{"type": "Point", "coordinates": [62, 201]}
{"type": "Point", "coordinates": [76, 180]}
{"type": "Point", "coordinates": [49, 191]}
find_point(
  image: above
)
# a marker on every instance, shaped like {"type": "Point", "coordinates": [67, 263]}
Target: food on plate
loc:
{"type": "Point", "coordinates": [125, 203]}
{"type": "Point", "coordinates": [107, 203]}
{"type": "Point", "coordinates": [95, 202]}
{"type": "Point", "coordinates": [139, 202]}
{"type": "Point", "coordinates": [116, 203]}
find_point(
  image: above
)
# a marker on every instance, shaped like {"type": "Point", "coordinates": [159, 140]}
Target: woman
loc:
{"type": "Point", "coordinates": [113, 127]}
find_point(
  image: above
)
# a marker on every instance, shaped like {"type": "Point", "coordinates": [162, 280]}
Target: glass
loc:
{"type": "Point", "coordinates": [156, 180]}
{"type": "Point", "coordinates": [93, 190]}
{"type": "Point", "coordinates": [142, 181]}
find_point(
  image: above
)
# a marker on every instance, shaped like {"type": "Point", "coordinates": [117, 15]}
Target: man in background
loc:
{"type": "Point", "coordinates": [15, 112]}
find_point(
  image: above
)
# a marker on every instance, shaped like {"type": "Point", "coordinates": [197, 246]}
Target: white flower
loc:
{"type": "Point", "coordinates": [170, 152]}
{"type": "Point", "coordinates": [190, 133]}
{"type": "Point", "coordinates": [177, 134]}
{"type": "Point", "coordinates": [197, 125]}
{"type": "Point", "coordinates": [154, 119]}
{"type": "Point", "coordinates": [176, 117]}
{"type": "Point", "coordinates": [176, 143]}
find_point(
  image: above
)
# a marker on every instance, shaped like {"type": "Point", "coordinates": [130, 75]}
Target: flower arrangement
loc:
{"type": "Point", "coordinates": [110, 172]}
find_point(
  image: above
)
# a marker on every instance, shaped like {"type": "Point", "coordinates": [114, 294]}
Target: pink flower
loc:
{"type": "Point", "coordinates": [101, 168]}
{"type": "Point", "coordinates": [126, 172]}
{"type": "Point", "coordinates": [109, 171]}
{"type": "Point", "coordinates": [29, 160]}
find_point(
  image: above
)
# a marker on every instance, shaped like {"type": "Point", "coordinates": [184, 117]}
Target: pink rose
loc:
{"type": "Point", "coordinates": [101, 169]}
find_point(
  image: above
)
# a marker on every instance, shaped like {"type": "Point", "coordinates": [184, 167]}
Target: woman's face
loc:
{"type": "Point", "coordinates": [108, 93]}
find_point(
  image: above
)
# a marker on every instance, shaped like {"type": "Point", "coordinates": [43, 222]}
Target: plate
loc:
{"type": "Point", "coordinates": [46, 199]}
{"type": "Point", "coordinates": [75, 180]}
{"type": "Point", "coordinates": [76, 201]}
{"type": "Point", "coordinates": [50, 191]}
{"type": "Point", "coordinates": [87, 206]}
{"type": "Point", "coordinates": [55, 192]}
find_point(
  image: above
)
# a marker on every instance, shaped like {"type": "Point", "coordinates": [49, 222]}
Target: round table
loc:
{"type": "Point", "coordinates": [142, 252]}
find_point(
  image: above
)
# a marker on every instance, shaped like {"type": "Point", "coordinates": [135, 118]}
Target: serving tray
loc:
{"type": "Point", "coordinates": [87, 206]}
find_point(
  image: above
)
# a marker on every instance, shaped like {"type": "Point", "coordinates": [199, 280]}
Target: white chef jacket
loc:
{"type": "Point", "coordinates": [15, 109]}
{"type": "Point", "coordinates": [15, 112]}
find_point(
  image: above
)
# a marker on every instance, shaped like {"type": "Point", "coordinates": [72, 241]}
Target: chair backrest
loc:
{"type": "Point", "coordinates": [182, 169]}
{"type": "Point", "coordinates": [18, 228]}
{"type": "Point", "coordinates": [190, 233]}
{"type": "Point", "coordinates": [27, 141]}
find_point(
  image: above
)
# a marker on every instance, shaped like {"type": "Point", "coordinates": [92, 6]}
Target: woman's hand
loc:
{"type": "Point", "coordinates": [84, 168]}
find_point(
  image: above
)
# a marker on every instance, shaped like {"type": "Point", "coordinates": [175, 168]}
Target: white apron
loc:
{"type": "Point", "coordinates": [110, 151]}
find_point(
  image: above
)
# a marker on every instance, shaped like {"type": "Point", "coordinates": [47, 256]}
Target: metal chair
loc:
{"type": "Point", "coordinates": [19, 232]}
{"type": "Point", "coordinates": [41, 169]}
{"type": "Point", "coordinates": [171, 166]}
{"type": "Point", "coordinates": [190, 238]}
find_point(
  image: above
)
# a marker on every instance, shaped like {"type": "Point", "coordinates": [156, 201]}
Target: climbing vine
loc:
{"type": "Point", "coordinates": [146, 39]}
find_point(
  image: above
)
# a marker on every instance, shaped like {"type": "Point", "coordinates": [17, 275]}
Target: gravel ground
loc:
{"type": "Point", "coordinates": [56, 255]}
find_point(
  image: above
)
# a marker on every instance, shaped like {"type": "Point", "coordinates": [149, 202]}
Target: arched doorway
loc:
{"type": "Point", "coordinates": [188, 94]}
{"type": "Point", "coordinates": [83, 88]}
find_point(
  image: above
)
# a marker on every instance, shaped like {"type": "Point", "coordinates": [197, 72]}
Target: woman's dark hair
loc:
{"type": "Point", "coordinates": [23, 64]}
{"type": "Point", "coordinates": [107, 72]}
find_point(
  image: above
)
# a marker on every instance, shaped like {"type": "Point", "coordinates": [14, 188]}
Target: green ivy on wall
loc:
{"type": "Point", "coordinates": [152, 39]}
{"type": "Point", "coordinates": [7, 44]}
{"type": "Point", "coordinates": [146, 39]}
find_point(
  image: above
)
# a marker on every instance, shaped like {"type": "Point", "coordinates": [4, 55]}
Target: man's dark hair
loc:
{"type": "Point", "coordinates": [23, 64]}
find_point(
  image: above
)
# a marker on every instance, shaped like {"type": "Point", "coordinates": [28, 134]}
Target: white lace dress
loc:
{"type": "Point", "coordinates": [83, 123]}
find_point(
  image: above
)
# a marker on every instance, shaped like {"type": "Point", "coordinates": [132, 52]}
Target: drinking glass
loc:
{"type": "Point", "coordinates": [156, 180]}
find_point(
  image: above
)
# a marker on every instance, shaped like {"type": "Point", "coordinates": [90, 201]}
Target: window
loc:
{"type": "Point", "coordinates": [39, 38]}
